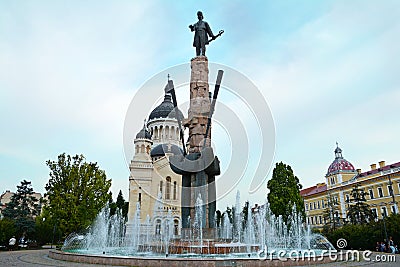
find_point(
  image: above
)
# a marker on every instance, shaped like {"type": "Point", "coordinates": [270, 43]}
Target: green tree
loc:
{"type": "Point", "coordinates": [365, 236]}
{"type": "Point", "coordinates": [7, 230]}
{"type": "Point", "coordinates": [22, 209]}
{"type": "Point", "coordinates": [45, 229]}
{"type": "Point", "coordinates": [358, 211]}
{"type": "Point", "coordinates": [77, 190]}
{"type": "Point", "coordinates": [122, 204]}
{"type": "Point", "coordinates": [284, 192]}
{"type": "Point", "coordinates": [331, 213]}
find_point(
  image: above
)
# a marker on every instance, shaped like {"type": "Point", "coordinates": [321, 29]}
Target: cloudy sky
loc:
{"type": "Point", "coordinates": [329, 71]}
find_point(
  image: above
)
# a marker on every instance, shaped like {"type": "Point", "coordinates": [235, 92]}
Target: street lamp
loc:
{"type": "Point", "coordinates": [392, 194]}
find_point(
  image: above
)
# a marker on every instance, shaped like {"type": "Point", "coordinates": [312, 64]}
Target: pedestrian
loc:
{"type": "Point", "coordinates": [11, 243]}
{"type": "Point", "coordinates": [378, 246]}
{"type": "Point", "coordinates": [391, 245]}
{"type": "Point", "coordinates": [382, 248]}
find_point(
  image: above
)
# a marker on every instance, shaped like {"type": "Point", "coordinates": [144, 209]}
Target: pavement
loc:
{"type": "Point", "coordinates": [37, 258]}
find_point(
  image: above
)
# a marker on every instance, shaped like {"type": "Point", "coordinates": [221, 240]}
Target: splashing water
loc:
{"type": "Point", "coordinates": [240, 235]}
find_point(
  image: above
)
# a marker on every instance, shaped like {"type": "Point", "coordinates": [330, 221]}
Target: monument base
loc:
{"type": "Point", "coordinates": [206, 234]}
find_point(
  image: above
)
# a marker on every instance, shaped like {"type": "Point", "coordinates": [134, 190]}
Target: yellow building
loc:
{"type": "Point", "coordinates": [381, 184]}
{"type": "Point", "coordinates": [5, 198]}
{"type": "Point", "coordinates": [154, 189]}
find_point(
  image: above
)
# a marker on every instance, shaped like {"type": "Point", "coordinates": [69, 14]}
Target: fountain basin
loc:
{"type": "Point", "coordinates": [198, 261]}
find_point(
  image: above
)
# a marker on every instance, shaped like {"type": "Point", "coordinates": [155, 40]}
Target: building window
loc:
{"type": "Point", "coordinates": [168, 188]}
{"type": "Point", "coordinates": [174, 190]}
{"type": "Point", "coordinates": [384, 212]}
{"type": "Point", "coordinates": [310, 206]}
{"type": "Point", "coordinates": [161, 186]}
{"type": "Point", "coordinates": [318, 205]}
{"type": "Point", "coordinates": [390, 190]}
{"type": "Point", "coordinates": [323, 204]}
{"type": "Point", "coordinates": [140, 197]}
{"type": "Point", "coordinates": [312, 220]}
{"type": "Point", "coordinates": [158, 227]}
{"type": "Point", "coordinates": [320, 219]}
{"type": "Point", "coordinates": [308, 220]}
{"type": "Point", "coordinates": [347, 198]}
{"type": "Point", "coordinates": [306, 206]}
{"type": "Point", "coordinates": [380, 192]}
{"type": "Point", "coordinates": [393, 210]}
{"type": "Point", "coordinates": [371, 194]}
{"type": "Point", "coordinates": [315, 206]}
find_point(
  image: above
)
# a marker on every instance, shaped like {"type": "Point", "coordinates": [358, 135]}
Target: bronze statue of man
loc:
{"type": "Point", "coordinates": [202, 31]}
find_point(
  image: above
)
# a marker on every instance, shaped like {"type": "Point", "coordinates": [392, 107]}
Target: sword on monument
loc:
{"type": "Point", "coordinates": [212, 107]}
{"type": "Point", "coordinates": [170, 89]}
{"type": "Point", "coordinates": [216, 36]}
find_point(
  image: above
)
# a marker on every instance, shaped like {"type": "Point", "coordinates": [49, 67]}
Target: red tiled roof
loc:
{"type": "Point", "coordinates": [313, 190]}
{"type": "Point", "coordinates": [387, 167]}
{"type": "Point", "coordinates": [305, 191]}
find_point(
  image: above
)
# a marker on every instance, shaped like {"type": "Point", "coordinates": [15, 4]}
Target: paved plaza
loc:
{"type": "Point", "coordinates": [35, 258]}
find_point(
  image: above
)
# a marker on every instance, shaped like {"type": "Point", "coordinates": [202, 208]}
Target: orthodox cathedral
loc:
{"type": "Point", "coordinates": [154, 189]}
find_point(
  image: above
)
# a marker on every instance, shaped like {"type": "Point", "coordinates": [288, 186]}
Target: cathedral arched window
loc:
{"type": "Point", "coordinates": [174, 190]}
{"type": "Point", "coordinates": [167, 132]}
{"type": "Point", "coordinates": [148, 149]}
{"type": "Point", "coordinates": [173, 132]}
{"type": "Point", "coordinates": [137, 149]}
{"type": "Point", "coordinates": [176, 227]}
{"type": "Point", "coordinates": [158, 227]}
{"type": "Point", "coordinates": [142, 149]}
{"type": "Point", "coordinates": [168, 188]}
{"type": "Point", "coordinates": [161, 132]}
{"type": "Point", "coordinates": [156, 132]}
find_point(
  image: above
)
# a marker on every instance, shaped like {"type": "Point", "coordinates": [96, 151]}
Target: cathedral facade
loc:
{"type": "Point", "coordinates": [154, 189]}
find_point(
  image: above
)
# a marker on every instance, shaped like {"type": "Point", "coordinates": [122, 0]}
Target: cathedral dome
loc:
{"type": "Point", "coordinates": [161, 149]}
{"type": "Point", "coordinates": [143, 134]}
{"type": "Point", "coordinates": [340, 164]}
{"type": "Point", "coordinates": [165, 110]}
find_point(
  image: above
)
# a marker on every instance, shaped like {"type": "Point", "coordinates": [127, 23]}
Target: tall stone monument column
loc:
{"type": "Point", "coordinates": [201, 184]}
{"type": "Point", "coordinates": [200, 166]}
{"type": "Point", "coordinates": [199, 108]}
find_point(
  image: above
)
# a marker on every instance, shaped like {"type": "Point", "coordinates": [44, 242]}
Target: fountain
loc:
{"type": "Point", "coordinates": [261, 236]}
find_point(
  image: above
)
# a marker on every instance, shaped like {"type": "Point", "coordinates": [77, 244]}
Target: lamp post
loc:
{"type": "Point", "coordinates": [384, 227]}
{"type": "Point", "coordinates": [392, 194]}
{"type": "Point", "coordinates": [54, 232]}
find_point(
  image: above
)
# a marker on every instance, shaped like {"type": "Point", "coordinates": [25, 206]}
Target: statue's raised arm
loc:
{"type": "Point", "coordinates": [202, 33]}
